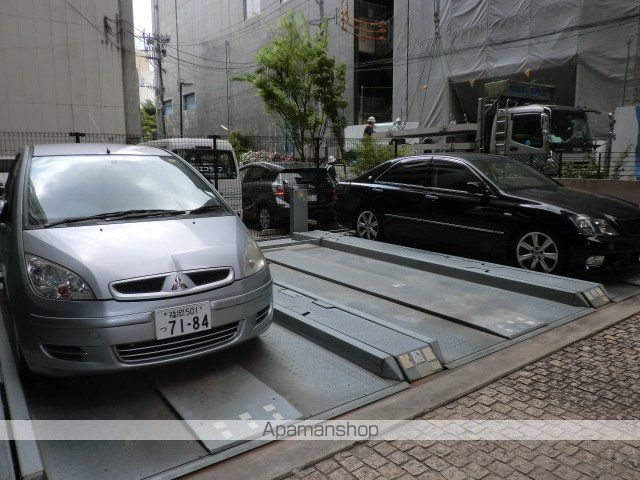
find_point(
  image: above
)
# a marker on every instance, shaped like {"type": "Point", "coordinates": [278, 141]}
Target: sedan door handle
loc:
{"type": "Point", "coordinates": [377, 190]}
{"type": "Point", "coordinates": [431, 197]}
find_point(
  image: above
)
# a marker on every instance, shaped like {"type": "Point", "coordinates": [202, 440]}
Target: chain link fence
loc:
{"type": "Point", "coordinates": [597, 165]}
{"type": "Point", "coordinates": [258, 175]}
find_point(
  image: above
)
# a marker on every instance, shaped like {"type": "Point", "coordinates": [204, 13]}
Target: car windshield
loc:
{"type": "Point", "coordinates": [73, 187]}
{"type": "Point", "coordinates": [510, 174]}
{"type": "Point", "coordinates": [569, 129]}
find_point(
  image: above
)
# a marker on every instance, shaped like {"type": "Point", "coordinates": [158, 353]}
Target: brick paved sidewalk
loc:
{"type": "Point", "coordinates": [596, 378]}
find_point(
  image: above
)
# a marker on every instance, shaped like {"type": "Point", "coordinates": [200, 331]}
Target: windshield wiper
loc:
{"type": "Point", "coordinates": [114, 216]}
{"type": "Point", "coordinates": [144, 213]}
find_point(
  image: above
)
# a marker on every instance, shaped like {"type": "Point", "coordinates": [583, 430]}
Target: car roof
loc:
{"type": "Point", "coordinates": [63, 149]}
{"type": "Point", "coordinates": [470, 157]}
{"type": "Point", "coordinates": [188, 143]}
{"type": "Point", "coordinates": [283, 166]}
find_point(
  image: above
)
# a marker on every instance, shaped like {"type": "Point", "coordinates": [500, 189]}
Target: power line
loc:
{"type": "Point", "coordinates": [101, 31]}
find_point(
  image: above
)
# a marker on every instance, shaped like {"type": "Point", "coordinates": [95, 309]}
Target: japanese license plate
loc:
{"type": "Point", "coordinates": [183, 320]}
{"type": "Point", "coordinates": [313, 198]}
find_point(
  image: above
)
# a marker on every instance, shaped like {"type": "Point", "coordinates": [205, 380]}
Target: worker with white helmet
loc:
{"type": "Point", "coordinates": [368, 130]}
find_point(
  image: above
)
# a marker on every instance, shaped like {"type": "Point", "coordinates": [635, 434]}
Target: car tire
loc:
{"type": "Point", "coordinates": [539, 249]}
{"type": "Point", "coordinates": [368, 224]}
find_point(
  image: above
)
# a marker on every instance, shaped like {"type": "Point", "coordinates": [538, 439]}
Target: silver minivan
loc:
{"type": "Point", "coordinates": [116, 257]}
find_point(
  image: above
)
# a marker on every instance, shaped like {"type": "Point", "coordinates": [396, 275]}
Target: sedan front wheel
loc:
{"type": "Point", "coordinates": [539, 250]}
{"type": "Point", "coordinates": [368, 225]}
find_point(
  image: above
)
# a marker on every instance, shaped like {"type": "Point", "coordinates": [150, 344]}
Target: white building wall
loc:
{"type": "Point", "coordinates": [204, 26]}
{"type": "Point", "coordinates": [57, 65]}
{"type": "Point", "coordinates": [145, 77]}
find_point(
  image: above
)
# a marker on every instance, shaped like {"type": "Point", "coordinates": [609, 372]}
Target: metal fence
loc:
{"type": "Point", "coordinates": [258, 190]}
{"type": "Point", "coordinates": [596, 165]}
{"type": "Point", "coordinates": [12, 142]}
{"type": "Point", "coordinates": [261, 201]}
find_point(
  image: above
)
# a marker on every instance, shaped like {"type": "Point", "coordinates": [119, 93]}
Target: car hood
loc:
{"type": "Point", "coordinates": [109, 252]}
{"type": "Point", "coordinates": [580, 202]}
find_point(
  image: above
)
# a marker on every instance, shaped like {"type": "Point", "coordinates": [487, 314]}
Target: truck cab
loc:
{"type": "Point", "coordinates": [517, 117]}
{"type": "Point", "coordinates": [513, 118]}
{"type": "Point", "coordinates": [536, 128]}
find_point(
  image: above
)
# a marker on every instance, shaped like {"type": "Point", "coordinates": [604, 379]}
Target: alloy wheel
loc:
{"type": "Point", "coordinates": [537, 251]}
{"type": "Point", "coordinates": [367, 225]}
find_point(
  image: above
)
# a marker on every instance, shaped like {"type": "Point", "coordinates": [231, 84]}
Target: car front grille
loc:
{"type": "Point", "coordinates": [167, 348]}
{"type": "Point", "coordinates": [631, 226]}
{"type": "Point", "coordinates": [145, 285]}
{"type": "Point", "coordinates": [204, 277]}
{"type": "Point", "coordinates": [162, 284]}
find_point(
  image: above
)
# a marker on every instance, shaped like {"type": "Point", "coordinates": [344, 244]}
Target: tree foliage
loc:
{"type": "Point", "coordinates": [148, 120]}
{"type": "Point", "coordinates": [371, 152]}
{"type": "Point", "coordinates": [300, 83]}
{"type": "Point", "coordinates": [239, 142]}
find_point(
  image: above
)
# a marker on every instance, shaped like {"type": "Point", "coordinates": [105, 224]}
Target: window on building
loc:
{"type": "Point", "coordinates": [189, 101]}
{"type": "Point", "coordinates": [251, 8]}
{"type": "Point", "coordinates": [167, 107]}
{"type": "Point", "coordinates": [527, 130]}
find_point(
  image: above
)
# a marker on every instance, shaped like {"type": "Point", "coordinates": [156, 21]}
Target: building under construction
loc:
{"type": "Point", "coordinates": [425, 61]}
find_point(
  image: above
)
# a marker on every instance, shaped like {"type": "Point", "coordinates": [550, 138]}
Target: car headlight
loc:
{"type": "Point", "coordinates": [50, 280]}
{"type": "Point", "coordinates": [254, 261]}
{"type": "Point", "coordinates": [593, 226]}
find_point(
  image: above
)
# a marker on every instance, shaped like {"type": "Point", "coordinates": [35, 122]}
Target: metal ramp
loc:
{"type": "Point", "coordinates": [620, 285]}
{"type": "Point", "coordinates": [354, 321]}
{"type": "Point", "coordinates": [467, 307]}
{"type": "Point", "coordinates": [280, 375]}
{"type": "Point", "coordinates": [472, 304]}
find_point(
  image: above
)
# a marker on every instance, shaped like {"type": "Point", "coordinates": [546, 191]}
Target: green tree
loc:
{"type": "Point", "coordinates": [299, 82]}
{"type": "Point", "coordinates": [148, 120]}
{"type": "Point", "coordinates": [371, 152]}
{"type": "Point", "coordinates": [239, 142]}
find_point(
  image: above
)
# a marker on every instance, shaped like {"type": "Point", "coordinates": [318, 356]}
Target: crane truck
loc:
{"type": "Point", "coordinates": [513, 118]}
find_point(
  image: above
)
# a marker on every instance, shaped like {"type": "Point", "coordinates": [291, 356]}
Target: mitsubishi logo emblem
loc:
{"type": "Point", "coordinates": [178, 284]}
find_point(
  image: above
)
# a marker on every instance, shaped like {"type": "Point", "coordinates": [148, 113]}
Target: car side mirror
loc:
{"type": "Point", "coordinates": [477, 188]}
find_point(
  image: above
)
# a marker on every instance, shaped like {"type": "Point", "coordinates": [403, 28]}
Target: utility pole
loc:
{"type": "Point", "coordinates": [175, 4]}
{"type": "Point", "coordinates": [406, 90]}
{"type": "Point", "coordinates": [155, 43]}
{"type": "Point", "coordinates": [226, 69]}
{"type": "Point", "coordinates": [362, 104]}
{"type": "Point", "coordinates": [626, 73]}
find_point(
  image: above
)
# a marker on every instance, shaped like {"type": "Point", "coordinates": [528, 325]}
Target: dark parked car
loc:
{"type": "Point", "coordinates": [490, 205]}
{"type": "Point", "coordinates": [266, 188]}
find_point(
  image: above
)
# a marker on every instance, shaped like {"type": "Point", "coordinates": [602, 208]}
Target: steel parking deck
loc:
{"type": "Point", "coordinates": [355, 321]}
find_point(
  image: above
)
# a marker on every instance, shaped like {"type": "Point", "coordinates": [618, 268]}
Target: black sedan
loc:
{"type": "Point", "coordinates": [490, 206]}
{"type": "Point", "coordinates": [266, 188]}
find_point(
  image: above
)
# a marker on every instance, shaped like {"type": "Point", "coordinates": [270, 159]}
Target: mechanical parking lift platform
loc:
{"type": "Point", "coordinates": [354, 322]}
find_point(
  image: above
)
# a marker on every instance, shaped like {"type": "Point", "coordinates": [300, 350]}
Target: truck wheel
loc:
{"type": "Point", "coordinates": [368, 224]}
{"type": "Point", "coordinates": [539, 249]}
